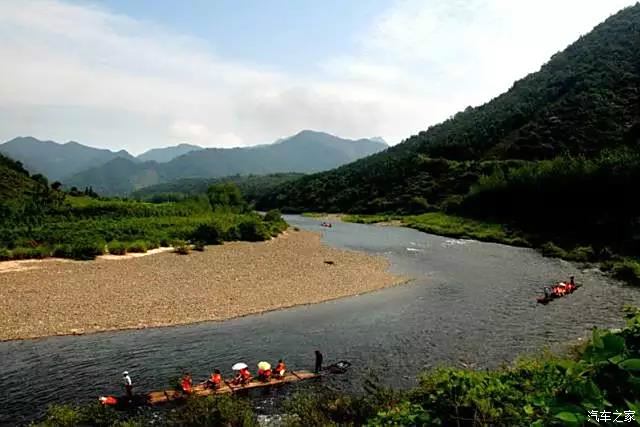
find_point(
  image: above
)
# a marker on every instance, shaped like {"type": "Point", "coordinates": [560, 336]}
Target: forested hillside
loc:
{"type": "Point", "coordinates": [251, 186]}
{"type": "Point", "coordinates": [584, 100]}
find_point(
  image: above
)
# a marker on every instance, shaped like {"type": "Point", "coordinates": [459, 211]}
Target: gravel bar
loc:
{"type": "Point", "coordinates": [62, 297]}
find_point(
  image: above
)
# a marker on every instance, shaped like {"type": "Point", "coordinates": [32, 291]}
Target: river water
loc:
{"type": "Point", "coordinates": [468, 302]}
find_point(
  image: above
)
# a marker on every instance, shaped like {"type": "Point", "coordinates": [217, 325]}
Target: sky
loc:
{"type": "Point", "coordinates": [152, 73]}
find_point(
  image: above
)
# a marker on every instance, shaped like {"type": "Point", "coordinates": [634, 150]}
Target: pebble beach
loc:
{"type": "Point", "coordinates": [61, 297]}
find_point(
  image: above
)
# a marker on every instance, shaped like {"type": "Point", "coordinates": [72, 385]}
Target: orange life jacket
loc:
{"type": "Point", "coordinates": [186, 385]}
{"type": "Point", "coordinates": [281, 368]}
{"type": "Point", "coordinates": [216, 379]}
{"type": "Point", "coordinates": [245, 374]}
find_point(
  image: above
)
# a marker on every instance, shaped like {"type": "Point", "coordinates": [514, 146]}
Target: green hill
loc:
{"type": "Point", "coordinates": [585, 99]}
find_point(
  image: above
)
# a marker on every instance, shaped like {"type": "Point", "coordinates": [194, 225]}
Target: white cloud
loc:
{"type": "Point", "coordinates": [79, 72]}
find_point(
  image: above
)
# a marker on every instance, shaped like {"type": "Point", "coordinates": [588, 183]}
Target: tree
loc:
{"type": "Point", "coordinates": [226, 196]}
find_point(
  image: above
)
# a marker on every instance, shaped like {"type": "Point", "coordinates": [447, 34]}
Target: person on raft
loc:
{"type": "Point", "coordinates": [242, 377]}
{"type": "Point", "coordinates": [128, 385]}
{"type": "Point", "coordinates": [281, 368]}
{"type": "Point", "coordinates": [318, 361]}
{"type": "Point", "coordinates": [215, 380]}
{"type": "Point", "coordinates": [186, 384]}
{"type": "Point", "coordinates": [264, 372]}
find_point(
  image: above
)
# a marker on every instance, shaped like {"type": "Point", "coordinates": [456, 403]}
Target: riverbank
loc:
{"type": "Point", "coordinates": [621, 267]}
{"type": "Point", "coordinates": [55, 297]}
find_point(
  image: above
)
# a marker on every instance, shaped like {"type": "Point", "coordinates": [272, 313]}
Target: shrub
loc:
{"type": "Point", "coordinates": [153, 244]}
{"type": "Point", "coordinates": [62, 416]}
{"type": "Point", "coordinates": [117, 248]}
{"type": "Point", "coordinates": [21, 253]}
{"type": "Point", "coordinates": [273, 215]}
{"type": "Point", "coordinates": [253, 231]}
{"type": "Point", "coordinates": [210, 233]}
{"type": "Point", "coordinates": [87, 249]}
{"type": "Point", "coordinates": [62, 251]}
{"type": "Point", "coordinates": [213, 411]}
{"type": "Point", "coordinates": [627, 270]}
{"type": "Point", "coordinates": [181, 247]}
{"type": "Point", "coordinates": [582, 254]}
{"type": "Point", "coordinates": [549, 249]}
{"type": "Point", "coordinates": [138, 246]}
{"type": "Point", "coordinates": [5, 254]}
{"type": "Point", "coordinates": [199, 246]}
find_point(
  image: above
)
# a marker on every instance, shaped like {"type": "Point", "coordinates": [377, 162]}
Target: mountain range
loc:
{"type": "Point", "coordinates": [120, 173]}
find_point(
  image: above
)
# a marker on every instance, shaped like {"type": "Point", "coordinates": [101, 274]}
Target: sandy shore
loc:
{"type": "Point", "coordinates": [58, 297]}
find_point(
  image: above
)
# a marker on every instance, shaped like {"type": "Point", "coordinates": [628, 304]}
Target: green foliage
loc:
{"type": "Point", "coordinates": [213, 411]}
{"type": "Point", "coordinates": [5, 254]}
{"type": "Point", "coordinates": [181, 247]}
{"type": "Point", "coordinates": [251, 187]}
{"type": "Point", "coordinates": [628, 270]}
{"type": "Point", "coordinates": [274, 215]}
{"type": "Point", "coordinates": [117, 248]}
{"type": "Point", "coordinates": [456, 226]}
{"type": "Point", "coordinates": [226, 197]}
{"type": "Point", "coordinates": [210, 233]}
{"type": "Point", "coordinates": [199, 246]}
{"type": "Point", "coordinates": [79, 228]}
{"type": "Point", "coordinates": [253, 230]}
{"type": "Point", "coordinates": [137, 246]}
{"type": "Point", "coordinates": [62, 416]}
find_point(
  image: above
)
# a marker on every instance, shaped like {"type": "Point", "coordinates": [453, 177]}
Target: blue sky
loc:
{"type": "Point", "coordinates": [141, 74]}
{"type": "Point", "coordinates": [281, 34]}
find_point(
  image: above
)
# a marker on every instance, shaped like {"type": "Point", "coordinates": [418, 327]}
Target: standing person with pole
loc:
{"type": "Point", "coordinates": [128, 385]}
{"type": "Point", "coordinates": [318, 361]}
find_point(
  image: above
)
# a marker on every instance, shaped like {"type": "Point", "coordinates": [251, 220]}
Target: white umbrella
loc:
{"type": "Point", "coordinates": [239, 366]}
{"type": "Point", "coordinates": [264, 366]}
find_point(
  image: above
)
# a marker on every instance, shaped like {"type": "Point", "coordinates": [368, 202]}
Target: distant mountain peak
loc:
{"type": "Point", "coordinates": [166, 154]}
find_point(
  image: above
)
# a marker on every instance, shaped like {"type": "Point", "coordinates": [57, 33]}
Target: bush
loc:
{"type": "Point", "coordinates": [627, 270]}
{"type": "Point", "coordinates": [87, 249]}
{"type": "Point", "coordinates": [199, 246]}
{"type": "Point", "coordinates": [273, 215]}
{"type": "Point", "coordinates": [253, 230]}
{"type": "Point", "coordinates": [582, 254]}
{"type": "Point", "coordinates": [181, 247]}
{"type": "Point", "coordinates": [5, 254]}
{"type": "Point", "coordinates": [138, 246]}
{"type": "Point", "coordinates": [549, 249]}
{"type": "Point", "coordinates": [62, 251]}
{"type": "Point", "coordinates": [210, 233]}
{"type": "Point", "coordinates": [213, 411]}
{"type": "Point", "coordinates": [62, 416]}
{"type": "Point", "coordinates": [117, 248]}
{"type": "Point", "coordinates": [38, 252]}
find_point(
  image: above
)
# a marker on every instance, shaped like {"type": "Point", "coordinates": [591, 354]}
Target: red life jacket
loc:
{"type": "Point", "coordinates": [186, 385]}
{"type": "Point", "coordinates": [216, 379]}
{"type": "Point", "coordinates": [245, 373]}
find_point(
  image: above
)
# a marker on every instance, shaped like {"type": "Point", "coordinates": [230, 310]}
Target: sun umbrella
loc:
{"type": "Point", "coordinates": [264, 366]}
{"type": "Point", "coordinates": [239, 366]}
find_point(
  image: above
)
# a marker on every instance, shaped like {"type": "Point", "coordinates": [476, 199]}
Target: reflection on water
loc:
{"type": "Point", "coordinates": [469, 302]}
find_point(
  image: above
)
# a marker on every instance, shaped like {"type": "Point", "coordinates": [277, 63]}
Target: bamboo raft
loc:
{"type": "Point", "coordinates": [164, 396]}
{"type": "Point", "coordinates": [157, 397]}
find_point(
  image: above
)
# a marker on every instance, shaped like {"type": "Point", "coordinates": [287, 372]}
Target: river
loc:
{"type": "Point", "coordinates": [468, 302]}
